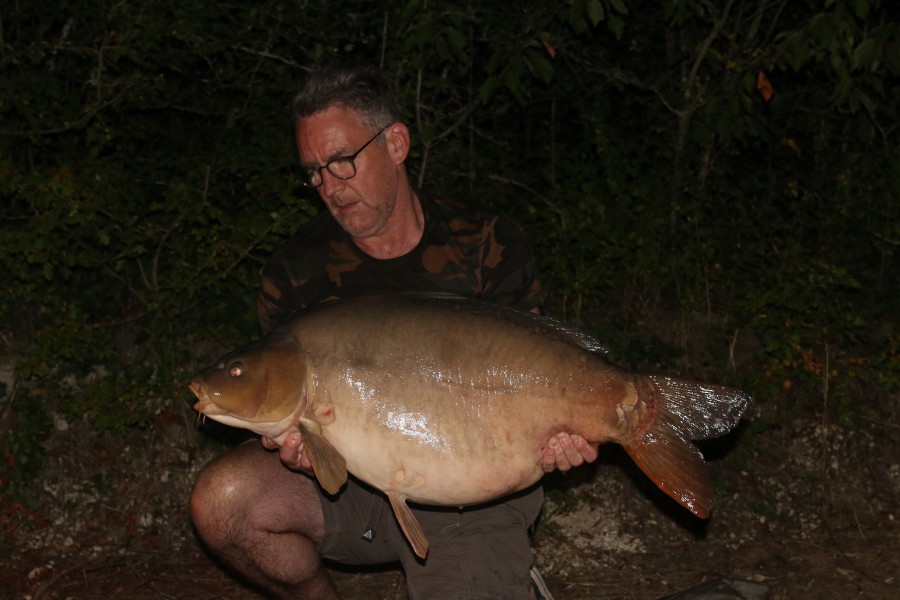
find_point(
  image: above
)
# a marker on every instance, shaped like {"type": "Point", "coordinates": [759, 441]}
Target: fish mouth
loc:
{"type": "Point", "coordinates": [206, 407]}
{"type": "Point", "coordinates": [203, 405]}
{"type": "Point", "coordinates": [200, 394]}
{"type": "Point", "coordinates": [196, 389]}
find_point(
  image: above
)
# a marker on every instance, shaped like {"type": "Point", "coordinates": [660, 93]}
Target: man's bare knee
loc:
{"type": "Point", "coordinates": [220, 492]}
{"type": "Point", "coordinates": [248, 489]}
{"type": "Point", "coordinates": [263, 520]}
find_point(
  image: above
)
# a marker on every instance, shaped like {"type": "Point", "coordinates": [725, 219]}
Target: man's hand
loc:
{"type": "Point", "coordinates": [566, 451]}
{"type": "Point", "coordinates": [291, 453]}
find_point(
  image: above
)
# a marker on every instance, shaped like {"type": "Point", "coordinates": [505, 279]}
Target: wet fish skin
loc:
{"type": "Point", "coordinates": [452, 402]}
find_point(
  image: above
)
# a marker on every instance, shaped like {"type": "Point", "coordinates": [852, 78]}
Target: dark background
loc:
{"type": "Point", "coordinates": [711, 189]}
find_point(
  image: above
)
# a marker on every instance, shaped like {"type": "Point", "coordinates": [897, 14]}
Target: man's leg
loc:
{"type": "Point", "coordinates": [269, 523]}
{"type": "Point", "coordinates": [264, 521]}
{"type": "Point", "coordinates": [479, 552]}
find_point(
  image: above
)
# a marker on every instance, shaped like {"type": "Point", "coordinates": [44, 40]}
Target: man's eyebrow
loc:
{"type": "Point", "coordinates": [335, 156]}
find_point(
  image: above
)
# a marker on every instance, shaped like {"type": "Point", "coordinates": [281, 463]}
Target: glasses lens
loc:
{"type": "Point", "coordinates": [342, 168]}
{"type": "Point", "coordinates": [312, 178]}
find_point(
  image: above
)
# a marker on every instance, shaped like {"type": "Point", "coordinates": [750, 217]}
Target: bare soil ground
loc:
{"type": "Point", "coordinates": [806, 508]}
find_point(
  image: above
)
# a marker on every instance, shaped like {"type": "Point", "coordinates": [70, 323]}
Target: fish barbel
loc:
{"type": "Point", "coordinates": [452, 402]}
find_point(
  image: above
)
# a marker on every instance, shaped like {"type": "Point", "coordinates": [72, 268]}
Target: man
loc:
{"type": "Point", "coordinates": [250, 506]}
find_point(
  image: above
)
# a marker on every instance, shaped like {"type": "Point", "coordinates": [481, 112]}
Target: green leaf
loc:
{"type": "Point", "coordinates": [619, 6]}
{"type": "Point", "coordinates": [595, 11]}
{"type": "Point", "coordinates": [489, 88]}
{"type": "Point", "coordinates": [457, 38]}
{"type": "Point", "coordinates": [540, 66]}
{"type": "Point", "coordinates": [865, 56]}
{"type": "Point", "coordinates": [866, 101]}
{"type": "Point", "coordinates": [617, 26]}
{"type": "Point", "coordinates": [575, 17]}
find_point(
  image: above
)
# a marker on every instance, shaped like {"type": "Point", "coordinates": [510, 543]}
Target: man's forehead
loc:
{"type": "Point", "coordinates": [328, 134]}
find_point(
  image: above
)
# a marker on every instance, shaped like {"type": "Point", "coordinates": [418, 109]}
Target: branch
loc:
{"type": "Point", "coordinates": [704, 49]}
{"type": "Point", "coordinates": [546, 200]}
{"type": "Point", "coordinates": [265, 54]}
{"type": "Point", "coordinates": [886, 240]}
{"type": "Point", "coordinates": [70, 125]}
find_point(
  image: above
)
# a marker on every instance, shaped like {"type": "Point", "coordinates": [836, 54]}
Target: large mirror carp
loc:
{"type": "Point", "coordinates": [452, 402]}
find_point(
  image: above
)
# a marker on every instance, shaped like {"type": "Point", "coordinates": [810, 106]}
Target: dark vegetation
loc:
{"type": "Point", "coordinates": [713, 189]}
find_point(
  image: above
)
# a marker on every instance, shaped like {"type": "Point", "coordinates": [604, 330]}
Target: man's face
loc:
{"type": "Point", "coordinates": [362, 204]}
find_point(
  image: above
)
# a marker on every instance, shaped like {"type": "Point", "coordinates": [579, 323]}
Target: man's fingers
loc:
{"type": "Point", "coordinates": [572, 456]}
{"type": "Point", "coordinates": [557, 455]}
{"type": "Point", "coordinates": [548, 460]}
{"type": "Point", "coordinates": [290, 450]}
{"type": "Point", "coordinates": [566, 451]}
{"type": "Point", "coordinates": [587, 451]}
{"type": "Point", "coordinates": [568, 456]}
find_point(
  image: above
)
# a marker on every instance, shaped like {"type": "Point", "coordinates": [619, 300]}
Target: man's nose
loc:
{"type": "Point", "coordinates": [330, 183]}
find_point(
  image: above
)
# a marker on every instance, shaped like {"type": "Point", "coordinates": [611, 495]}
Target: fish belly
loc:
{"type": "Point", "coordinates": [453, 472]}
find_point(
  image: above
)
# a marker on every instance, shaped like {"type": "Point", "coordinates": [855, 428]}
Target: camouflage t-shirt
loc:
{"type": "Point", "coordinates": [462, 251]}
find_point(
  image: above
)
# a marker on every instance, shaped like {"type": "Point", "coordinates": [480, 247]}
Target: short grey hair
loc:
{"type": "Point", "coordinates": [364, 90]}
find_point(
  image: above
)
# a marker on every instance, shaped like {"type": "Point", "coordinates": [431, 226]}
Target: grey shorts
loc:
{"type": "Point", "coordinates": [475, 552]}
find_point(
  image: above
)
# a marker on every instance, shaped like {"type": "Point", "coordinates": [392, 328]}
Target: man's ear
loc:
{"type": "Point", "coordinates": [397, 139]}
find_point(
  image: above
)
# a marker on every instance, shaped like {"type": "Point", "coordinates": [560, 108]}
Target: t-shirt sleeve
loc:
{"type": "Point", "coordinates": [295, 276]}
{"type": "Point", "coordinates": [272, 300]}
{"type": "Point", "coordinates": [508, 267]}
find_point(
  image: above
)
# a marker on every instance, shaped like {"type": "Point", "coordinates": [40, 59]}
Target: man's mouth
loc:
{"type": "Point", "coordinates": [349, 204]}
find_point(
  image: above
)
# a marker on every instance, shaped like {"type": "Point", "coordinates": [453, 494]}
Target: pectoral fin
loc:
{"type": "Point", "coordinates": [327, 462]}
{"type": "Point", "coordinates": [409, 524]}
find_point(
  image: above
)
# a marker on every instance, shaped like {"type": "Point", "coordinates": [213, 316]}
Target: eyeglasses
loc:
{"type": "Point", "coordinates": [342, 167]}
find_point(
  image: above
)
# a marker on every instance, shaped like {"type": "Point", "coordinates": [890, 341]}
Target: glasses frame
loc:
{"type": "Point", "coordinates": [315, 172]}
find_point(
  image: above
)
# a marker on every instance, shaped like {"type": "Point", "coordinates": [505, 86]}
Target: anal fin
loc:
{"type": "Point", "coordinates": [677, 467]}
{"type": "Point", "coordinates": [409, 524]}
{"type": "Point", "coordinates": [330, 466]}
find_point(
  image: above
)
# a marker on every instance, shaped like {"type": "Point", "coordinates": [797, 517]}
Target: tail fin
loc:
{"type": "Point", "coordinates": [683, 411]}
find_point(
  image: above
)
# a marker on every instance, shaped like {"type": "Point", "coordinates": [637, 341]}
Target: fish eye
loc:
{"type": "Point", "coordinates": [236, 369]}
